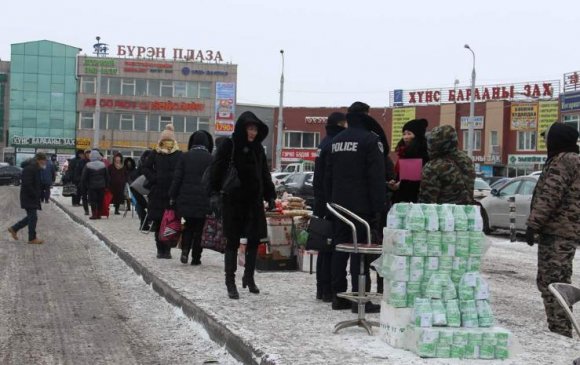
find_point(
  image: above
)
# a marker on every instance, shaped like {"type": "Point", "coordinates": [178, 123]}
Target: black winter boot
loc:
{"type": "Point", "coordinates": [250, 268]}
{"type": "Point", "coordinates": [231, 266]}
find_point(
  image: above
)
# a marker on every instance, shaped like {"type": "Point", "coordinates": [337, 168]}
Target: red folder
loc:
{"type": "Point", "coordinates": [410, 169]}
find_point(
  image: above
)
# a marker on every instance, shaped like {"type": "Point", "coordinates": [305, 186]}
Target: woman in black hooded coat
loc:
{"type": "Point", "coordinates": [189, 193]}
{"type": "Point", "coordinates": [243, 209]}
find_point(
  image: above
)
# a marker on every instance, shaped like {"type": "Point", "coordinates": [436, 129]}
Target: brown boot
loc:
{"type": "Point", "coordinates": [13, 233]}
{"type": "Point", "coordinates": [36, 241]}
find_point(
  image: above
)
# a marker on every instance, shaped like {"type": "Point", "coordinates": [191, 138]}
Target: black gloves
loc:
{"type": "Point", "coordinates": [272, 205]}
{"type": "Point", "coordinates": [215, 204]}
{"type": "Point", "coordinates": [530, 233]}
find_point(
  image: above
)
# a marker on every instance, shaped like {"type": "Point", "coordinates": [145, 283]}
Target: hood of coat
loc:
{"type": "Point", "coordinates": [95, 155]}
{"type": "Point", "coordinates": [129, 164]}
{"type": "Point", "coordinates": [241, 137]}
{"type": "Point", "coordinates": [561, 138]}
{"type": "Point", "coordinates": [201, 138]}
{"type": "Point", "coordinates": [365, 121]}
{"type": "Point", "coordinates": [333, 130]}
{"type": "Point", "coordinates": [442, 141]}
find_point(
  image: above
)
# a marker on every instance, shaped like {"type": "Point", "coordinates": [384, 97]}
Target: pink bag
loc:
{"type": "Point", "coordinates": [212, 236]}
{"type": "Point", "coordinates": [170, 228]}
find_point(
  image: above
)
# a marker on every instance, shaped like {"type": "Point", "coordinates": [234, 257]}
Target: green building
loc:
{"type": "Point", "coordinates": [43, 96]}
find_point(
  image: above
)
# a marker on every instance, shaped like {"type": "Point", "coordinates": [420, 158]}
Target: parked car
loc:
{"type": "Point", "coordinates": [500, 183]}
{"type": "Point", "coordinates": [301, 185]}
{"type": "Point", "coordinates": [10, 175]}
{"type": "Point", "coordinates": [536, 173]}
{"type": "Point", "coordinates": [496, 210]}
{"type": "Point", "coordinates": [481, 189]}
{"type": "Point", "coordinates": [304, 166]}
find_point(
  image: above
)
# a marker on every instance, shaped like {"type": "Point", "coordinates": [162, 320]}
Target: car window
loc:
{"type": "Point", "coordinates": [309, 179]}
{"type": "Point", "coordinates": [481, 185]}
{"type": "Point", "coordinates": [290, 168]}
{"type": "Point", "coordinates": [527, 187]}
{"type": "Point", "coordinates": [509, 189]}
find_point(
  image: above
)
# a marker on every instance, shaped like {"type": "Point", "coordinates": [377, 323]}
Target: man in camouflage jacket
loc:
{"type": "Point", "coordinates": [555, 216]}
{"type": "Point", "coordinates": [449, 176]}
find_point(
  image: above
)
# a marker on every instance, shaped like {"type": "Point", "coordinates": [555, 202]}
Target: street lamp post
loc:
{"type": "Point", "coordinates": [279, 135]}
{"type": "Point", "coordinates": [470, 126]}
{"type": "Point", "coordinates": [101, 50]}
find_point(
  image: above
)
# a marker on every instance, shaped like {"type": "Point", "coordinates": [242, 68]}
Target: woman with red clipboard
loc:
{"type": "Point", "coordinates": [413, 155]}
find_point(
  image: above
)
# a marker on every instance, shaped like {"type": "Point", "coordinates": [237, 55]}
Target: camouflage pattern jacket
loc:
{"type": "Point", "coordinates": [449, 176]}
{"type": "Point", "coordinates": [555, 208]}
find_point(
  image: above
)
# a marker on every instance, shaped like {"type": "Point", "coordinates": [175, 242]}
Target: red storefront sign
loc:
{"type": "Point", "coordinates": [299, 154]}
{"type": "Point", "coordinates": [145, 105]}
{"type": "Point", "coordinates": [144, 66]}
{"type": "Point", "coordinates": [535, 90]}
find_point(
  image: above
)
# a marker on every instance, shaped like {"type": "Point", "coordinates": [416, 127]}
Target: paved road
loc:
{"type": "Point", "coordinates": [71, 301]}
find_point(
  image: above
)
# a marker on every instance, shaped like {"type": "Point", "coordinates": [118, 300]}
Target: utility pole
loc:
{"type": "Point", "coordinates": [280, 134]}
{"type": "Point", "coordinates": [101, 50]}
{"type": "Point", "coordinates": [470, 130]}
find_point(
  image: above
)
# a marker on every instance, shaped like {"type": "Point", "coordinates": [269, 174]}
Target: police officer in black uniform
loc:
{"type": "Point", "coordinates": [355, 179]}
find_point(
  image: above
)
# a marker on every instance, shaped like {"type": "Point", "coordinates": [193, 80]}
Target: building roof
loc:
{"type": "Point", "coordinates": [49, 41]}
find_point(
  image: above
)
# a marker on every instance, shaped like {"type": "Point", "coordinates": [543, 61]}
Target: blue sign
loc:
{"type": "Point", "coordinates": [398, 97]}
{"type": "Point", "coordinates": [570, 101]}
{"type": "Point", "coordinates": [186, 71]}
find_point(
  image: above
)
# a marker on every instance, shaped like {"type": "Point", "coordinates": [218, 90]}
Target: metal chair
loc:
{"type": "Point", "coordinates": [567, 295]}
{"type": "Point", "coordinates": [360, 297]}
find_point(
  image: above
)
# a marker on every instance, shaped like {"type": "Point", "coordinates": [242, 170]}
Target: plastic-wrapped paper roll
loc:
{"type": "Point", "coordinates": [469, 317]}
{"type": "Point", "coordinates": [417, 270]}
{"type": "Point", "coordinates": [444, 344]}
{"type": "Point", "coordinates": [460, 218]}
{"type": "Point", "coordinates": [420, 247]}
{"type": "Point", "coordinates": [487, 350]}
{"type": "Point", "coordinates": [453, 313]}
{"type": "Point", "coordinates": [415, 218]}
{"type": "Point", "coordinates": [439, 313]}
{"type": "Point", "coordinates": [413, 292]}
{"type": "Point", "coordinates": [431, 267]}
{"type": "Point", "coordinates": [459, 343]}
{"type": "Point", "coordinates": [474, 219]}
{"type": "Point", "coordinates": [396, 268]}
{"type": "Point", "coordinates": [474, 340]}
{"type": "Point", "coordinates": [431, 217]}
{"type": "Point", "coordinates": [462, 244]}
{"type": "Point", "coordinates": [398, 294]}
{"type": "Point", "coordinates": [427, 343]}
{"type": "Point", "coordinates": [449, 290]}
{"type": "Point", "coordinates": [402, 242]}
{"type": "Point", "coordinates": [459, 269]}
{"type": "Point", "coordinates": [476, 240]}
{"type": "Point", "coordinates": [474, 264]}
{"type": "Point", "coordinates": [423, 313]}
{"type": "Point", "coordinates": [446, 221]}
{"type": "Point", "coordinates": [434, 244]}
{"type": "Point", "coordinates": [446, 264]}
{"type": "Point", "coordinates": [484, 313]}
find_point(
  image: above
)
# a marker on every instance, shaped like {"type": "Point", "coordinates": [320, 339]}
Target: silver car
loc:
{"type": "Point", "coordinates": [496, 210]}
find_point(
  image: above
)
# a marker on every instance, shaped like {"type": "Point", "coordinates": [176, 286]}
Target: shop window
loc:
{"type": "Point", "coordinates": [140, 122]}
{"type": "Point", "coordinates": [141, 87]}
{"type": "Point", "coordinates": [164, 121]}
{"type": "Point", "coordinates": [154, 87]}
{"type": "Point", "coordinates": [572, 120]}
{"type": "Point", "coordinates": [128, 87]}
{"type": "Point", "coordinates": [193, 90]}
{"type": "Point", "coordinates": [205, 90]}
{"type": "Point", "coordinates": [178, 123]}
{"type": "Point", "coordinates": [476, 137]}
{"type": "Point", "coordinates": [179, 89]}
{"type": "Point", "coordinates": [126, 122]}
{"type": "Point", "coordinates": [301, 139]}
{"type": "Point", "coordinates": [167, 89]}
{"type": "Point", "coordinates": [87, 121]}
{"type": "Point", "coordinates": [88, 85]}
{"type": "Point", "coordinates": [526, 141]}
{"type": "Point", "coordinates": [114, 86]}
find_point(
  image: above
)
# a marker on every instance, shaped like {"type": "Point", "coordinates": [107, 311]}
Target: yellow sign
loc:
{"type": "Point", "coordinates": [524, 116]}
{"type": "Point", "coordinates": [547, 114]}
{"type": "Point", "coordinates": [83, 144]}
{"type": "Point", "coordinates": [400, 117]}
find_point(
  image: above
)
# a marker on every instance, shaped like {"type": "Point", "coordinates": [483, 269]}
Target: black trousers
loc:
{"type": "Point", "coordinates": [162, 248]}
{"type": "Point", "coordinates": [343, 234]}
{"type": "Point", "coordinates": [30, 220]}
{"type": "Point", "coordinates": [76, 199]}
{"type": "Point", "coordinates": [191, 237]}
{"type": "Point", "coordinates": [324, 272]}
{"type": "Point", "coordinates": [96, 197]}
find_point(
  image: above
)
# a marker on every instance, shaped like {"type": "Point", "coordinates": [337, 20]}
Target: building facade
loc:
{"type": "Point", "coordinates": [139, 97]}
{"type": "Point", "coordinates": [570, 99]}
{"type": "Point", "coordinates": [6, 155]}
{"type": "Point", "coordinates": [43, 93]}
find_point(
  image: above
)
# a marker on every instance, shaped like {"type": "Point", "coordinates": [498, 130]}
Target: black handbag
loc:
{"type": "Point", "coordinates": [231, 179]}
{"type": "Point", "coordinates": [69, 190]}
{"type": "Point", "coordinates": [320, 233]}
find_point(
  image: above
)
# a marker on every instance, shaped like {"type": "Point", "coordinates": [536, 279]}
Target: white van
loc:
{"type": "Point", "coordinates": [304, 166]}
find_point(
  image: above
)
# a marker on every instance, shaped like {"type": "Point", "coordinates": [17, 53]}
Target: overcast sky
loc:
{"type": "Point", "coordinates": [336, 51]}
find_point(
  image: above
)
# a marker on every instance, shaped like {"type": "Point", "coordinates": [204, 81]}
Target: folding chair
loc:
{"type": "Point", "coordinates": [567, 295]}
{"type": "Point", "coordinates": [360, 297]}
{"type": "Point", "coordinates": [131, 203]}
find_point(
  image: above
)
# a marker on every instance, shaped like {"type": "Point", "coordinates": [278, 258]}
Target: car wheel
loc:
{"type": "Point", "coordinates": [486, 227]}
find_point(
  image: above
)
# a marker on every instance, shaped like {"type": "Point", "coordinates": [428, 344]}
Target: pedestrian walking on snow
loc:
{"type": "Point", "coordinates": [243, 208]}
{"type": "Point", "coordinates": [118, 176]}
{"type": "Point", "coordinates": [159, 170]}
{"type": "Point", "coordinates": [47, 178]}
{"type": "Point", "coordinates": [555, 216]}
{"type": "Point", "coordinates": [30, 197]}
{"type": "Point", "coordinates": [95, 179]}
{"type": "Point", "coordinates": [189, 193]}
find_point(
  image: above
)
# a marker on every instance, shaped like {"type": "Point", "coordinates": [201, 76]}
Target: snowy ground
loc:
{"type": "Point", "coordinates": [289, 325]}
{"type": "Point", "coordinates": [72, 301]}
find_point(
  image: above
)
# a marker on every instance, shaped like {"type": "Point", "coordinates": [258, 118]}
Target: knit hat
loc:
{"type": "Point", "coordinates": [560, 138]}
{"type": "Point", "coordinates": [335, 118]}
{"type": "Point", "coordinates": [95, 155]}
{"type": "Point", "coordinates": [168, 134]}
{"type": "Point", "coordinates": [417, 126]}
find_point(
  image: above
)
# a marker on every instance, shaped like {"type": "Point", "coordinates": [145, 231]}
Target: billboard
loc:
{"type": "Point", "coordinates": [400, 117]}
{"type": "Point", "coordinates": [547, 114]}
{"type": "Point", "coordinates": [570, 101]}
{"type": "Point", "coordinates": [524, 116]}
{"type": "Point", "coordinates": [478, 121]}
{"type": "Point", "coordinates": [225, 107]}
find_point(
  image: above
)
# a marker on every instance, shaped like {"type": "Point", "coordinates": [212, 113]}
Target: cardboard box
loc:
{"type": "Point", "coordinates": [307, 260]}
{"type": "Point", "coordinates": [395, 325]}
